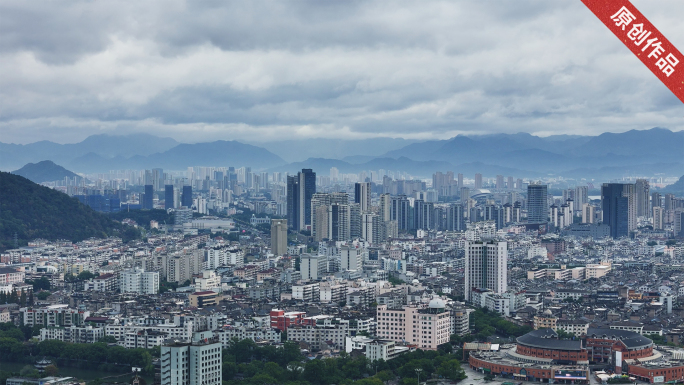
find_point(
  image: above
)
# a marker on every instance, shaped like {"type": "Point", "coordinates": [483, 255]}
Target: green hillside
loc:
{"type": "Point", "coordinates": [34, 211]}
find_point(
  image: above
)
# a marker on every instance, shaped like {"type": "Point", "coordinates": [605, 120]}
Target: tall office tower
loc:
{"type": "Point", "coordinates": [509, 184]}
{"type": "Point", "coordinates": [169, 202]}
{"type": "Point", "coordinates": [478, 181]}
{"type": "Point", "coordinates": [385, 208]}
{"type": "Point", "coordinates": [658, 222]}
{"type": "Point", "coordinates": [354, 220]}
{"type": "Point", "coordinates": [279, 236]}
{"type": "Point", "coordinates": [642, 198]}
{"type": "Point", "coordinates": [455, 218]}
{"type": "Point", "coordinates": [196, 362]}
{"type": "Point", "coordinates": [334, 174]}
{"type": "Point", "coordinates": [537, 203]}
{"type": "Point", "coordinates": [362, 195]}
{"type": "Point", "coordinates": [656, 200]}
{"type": "Point", "coordinates": [486, 266]}
{"type": "Point", "coordinates": [588, 213]}
{"type": "Point", "coordinates": [400, 212]}
{"type": "Point", "coordinates": [371, 228]}
{"type": "Point", "coordinates": [351, 258]}
{"type": "Point", "coordinates": [293, 217]}
{"type": "Point", "coordinates": [499, 182]}
{"type": "Point", "coordinates": [618, 203]}
{"type": "Point", "coordinates": [186, 198]}
{"type": "Point", "coordinates": [465, 194]}
{"type": "Point", "coordinates": [423, 215]}
{"type": "Point", "coordinates": [148, 197]}
{"type": "Point", "coordinates": [339, 222]}
{"type": "Point", "coordinates": [581, 196]}
{"type": "Point", "coordinates": [460, 180]}
{"type": "Point", "coordinates": [300, 190]}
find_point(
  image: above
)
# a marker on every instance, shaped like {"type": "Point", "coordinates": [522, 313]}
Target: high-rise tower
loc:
{"type": "Point", "coordinates": [618, 203]}
{"type": "Point", "coordinates": [537, 203]}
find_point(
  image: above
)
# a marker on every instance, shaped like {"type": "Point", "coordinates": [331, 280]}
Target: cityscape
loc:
{"type": "Point", "coordinates": [304, 193]}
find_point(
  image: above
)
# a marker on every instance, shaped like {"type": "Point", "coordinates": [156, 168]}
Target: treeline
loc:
{"type": "Point", "coordinates": [15, 348]}
{"type": "Point", "coordinates": [488, 323]}
{"type": "Point", "coordinates": [20, 299]}
{"type": "Point", "coordinates": [245, 362]}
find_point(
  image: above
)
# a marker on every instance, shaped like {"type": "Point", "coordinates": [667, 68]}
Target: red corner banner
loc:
{"type": "Point", "coordinates": [644, 40]}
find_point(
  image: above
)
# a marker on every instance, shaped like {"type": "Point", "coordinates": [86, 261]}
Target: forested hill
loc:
{"type": "Point", "coordinates": [34, 211]}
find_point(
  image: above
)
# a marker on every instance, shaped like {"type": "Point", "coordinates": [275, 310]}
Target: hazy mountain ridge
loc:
{"type": "Point", "coordinates": [631, 149]}
{"type": "Point", "coordinates": [45, 171]}
{"type": "Point", "coordinates": [521, 154]}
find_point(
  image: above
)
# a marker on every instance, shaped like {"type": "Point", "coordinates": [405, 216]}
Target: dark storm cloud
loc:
{"type": "Point", "coordinates": [267, 70]}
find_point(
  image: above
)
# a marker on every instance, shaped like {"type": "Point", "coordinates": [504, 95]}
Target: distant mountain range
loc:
{"type": "Point", "coordinates": [609, 155]}
{"type": "Point", "coordinates": [45, 171]}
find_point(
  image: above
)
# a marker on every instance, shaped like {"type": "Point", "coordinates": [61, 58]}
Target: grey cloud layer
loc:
{"type": "Point", "coordinates": [267, 70]}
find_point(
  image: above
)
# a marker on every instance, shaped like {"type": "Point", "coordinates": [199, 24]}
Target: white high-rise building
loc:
{"type": "Point", "coordinates": [351, 258]}
{"type": "Point", "coordinates": [486, 266]}
{"type": "Point", "coordinates": [139, 281]}
{"type": "Point", "coordinates": [194, 362]}
{"type": "Point", "coordinates": [313, 267]}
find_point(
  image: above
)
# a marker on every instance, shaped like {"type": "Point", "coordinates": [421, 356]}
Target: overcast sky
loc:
{"type": "Point", "coordinates": [253, 71]}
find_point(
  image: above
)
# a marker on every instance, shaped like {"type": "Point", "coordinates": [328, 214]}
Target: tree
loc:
{"type": "Point", "coordinates": [29, 371]}
{"type": "Point", "coordinates": [452, 370]}
{"type": "Point", "coordinates": [314, 372]}
{"type": "Point", "coordinates": [30, 299]}
{"type": "Point", "coordinates": [43, 295]}
{"type": "Point", "coordinates": [107, 340]}
{"type": "Point", "coordinates": [85, 275]}
{"type": "Point", "coordinates": [51, 370]}
{"type": "Point", "coordinates": [22, 299]}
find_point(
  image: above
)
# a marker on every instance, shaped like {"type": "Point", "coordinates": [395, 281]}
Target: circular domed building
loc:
{"type": "Point", "coordinates": [541, 356]}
